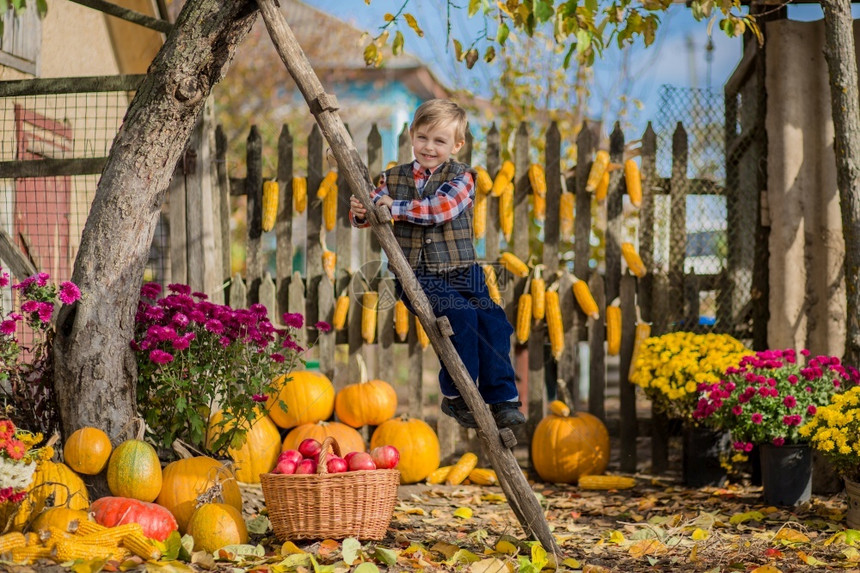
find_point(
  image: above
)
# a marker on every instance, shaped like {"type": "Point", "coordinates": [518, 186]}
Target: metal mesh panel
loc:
{"type": "Point", "coordinates": [709, 268]}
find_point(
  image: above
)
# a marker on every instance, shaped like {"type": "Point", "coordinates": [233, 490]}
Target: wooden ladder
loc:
{"type": "Point", "coordinates": [324, 106]}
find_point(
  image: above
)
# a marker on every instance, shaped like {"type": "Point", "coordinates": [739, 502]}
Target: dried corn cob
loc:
{"type": "Point", "coordinates": [368, 316]}
{"type": "Point", "coordinates": [88, 527]}
{"type": "Point", "coordinates": [514, 264]}
{"type": "Point", "coordinates": [483, 181]}
{"type": "Point", "coordinates": [492, 284]}
{"type": "Point", "coordinates": [270, 204]}
{"type": "Point", "coordinates": [329, 262]}
{"type": "Point", "coordinates": [401, 320]}
{"type": "Point", "coordinates": [601, 162]}
{"type": "Point", "coordinates": [300, 194]}
{"type": "Point", "coordinates": [566, 205]}
{"type": "Point", "coordinates": [341, 310]}
{"type": "Point", "coordinates": [634, 182]}
{"type": "Point", "coordinates": [634, 262]}
{"type": "Point", "coordinates": [613, 328]}
{"type": "Point", "coordinates": [554, 324]}
{"type": "Point", "coordinates": [559, 408]}
{"type": "Point", "coordinates": [483, 476]}
{"type": "Point", "coordinates": [423, 339]}
{"type": "Point", "coordinates": [327, 184]}
{"type": "Point", "coordinates": [110, 535]}
{"type": "Point", "coordinates": [29, 554]}
{"type": "Point", "coordinates": [330, 208]}
{"type": "Point", "coordinates": [142, 546]}
{"type": "Point", "coordinates": [603, 187]}
{"type": "Point", "coordinates": [506, 211]}
{"type": "Point", "coordinates": [538, 292]}
{"type": "Point", "coordinates": [461, 469]}
{"type": "Point", "coordinates": [10, 541]}
{"type": "Point", "coordinates": [537, 177]}
{"type": "Point", "coordinates": [583, 296]}
{"type": "Point", "coordinates": [32, 538]}
{"type": "Point", "coordinates": [479, 215]}
{"type": "Point", "coordinates": [606, 482]}
{"type": "Point", "coordinates": [503, 177]}
{"type": "Point", "coordinates": [438, 475]}
{"type": "Point", "coordinates": [539, 207]}
{"type": "Point", "coordinates": [643, 331]}
{"type": "Point", "coordinates": [524, 318]}
{"type": "Point", "coordinates": [72, 549]}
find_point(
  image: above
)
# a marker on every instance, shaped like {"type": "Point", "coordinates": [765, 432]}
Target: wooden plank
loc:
{"type": "Point", "coordinates": [646, 220]}
{"type": "Point", "coordinates": [213, 277]}
{"type": "Point", "coordinates": [267, 298]}
{"type": "Point", "coordinates": [238, 292]}
{"type": "Point", "coordinates": [597, 340]}
{"type": "Point", "coordinates": [224, 204]}
{"type": "Point", "coordinates": [530, 383]}
{"type": "Point", "coordinates": [343, 244]}
{"type": "Point", "coordinates": [491, 242]}
{"type": "Point", "coordinates": [49, 167]}
{"type": "Point", "coordinates": [691, 299]}
{"type": "Point", "coordinates": [284, 220]}
{"type": "Point", "coordinates": [254, 194]}
{"type": "Point", "coordinates": [297, 304]}
{"type": "Point", "coordinates": [568, 374]}
{"type": "Point", "coordinates": [71, 85]}
{"type": "Point", "coordinates": [614, 221]}
{"type": "Point", "coordinates": [385, 330]}
{"type": "Point", "coordinates": [678, 220]}
{"type": "Point", "coordinates": [16, 260]}
{"type": "Point", "coordinates": [627, 391]}
{"type": "Point", "coordinates": [178, 237]}
{"type": "Point", "coordinates": [325, 340]}
{"type": "Point", "coordinates": [313, 249]}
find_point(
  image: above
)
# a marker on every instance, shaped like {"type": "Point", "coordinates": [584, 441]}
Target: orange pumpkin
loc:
{"type": "Point", "coordinates": [367, 402]}
{"type": "Point", "coordinates": [347, 438]}
{"type": "Point", "coordinates": [417, 443]}
{"type": "Point", "coordinates": [567, 446]}
{"type": "Point", "coordinates": [214, 525]}
{"type": "Point", "coordinates": [134, 470]}
{"type": "Point", "coordinates": [308, 396]}
{"type": "Point", "coordinates": [258, 454]}
{"type": "Point", "coordinates": [87, 450]}
{"type": "Point", "coordinates": [59, 517]}
{"type": "Point", "coordinates": [52, 484]}
{"type": "Point", "coordinates": [188, 478]}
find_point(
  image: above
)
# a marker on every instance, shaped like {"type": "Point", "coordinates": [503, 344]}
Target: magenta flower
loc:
{"type": "Point", "coordinates": [737, 409]}
{"type": "Point", "coordinates": [42, 279]}
{"type": "Point", "coordinates": [258, 309]}
{"type": "Point", "coordinates": [789, 401]}
{"type": "Point", "coordinates": [180, 320]}
{"type": "Point", "coordinates": [200, 295]}
{"type": "Point", "coordinates": [160, 356]}
{"type": "Point", "coordinates": [323, 326]}
{"type": "Point", "coordinates": [180, 343]}
{"type": "Point", "coordinates": [150, 290]}
{"type": "Point", "coordinates": [756, 418]}
{"type": "Point", "coordinates": [293, 319]}
{"type": "Point", "coordinates": [4, 279]}
{"type": "Point", "coordinates": [811, 409]}
{"type": "Point", "coordinates": [778, 441]}
{"type": "Point", "coordinates": [179, 288]}
{"type": "Point", "coordinates": [69, 292]}
{"type": "Point", "coordinates": [8, 327]}
{"type": "Point", "coordinates": [748, 447]}
{"type": "Point", "coordinates": [260, 397]}
{"type": "Point", "coordinates": [224, 341]}
{"type": "Point", "coordinates": [214, 326]}
{"type": "Point", "coordinates": [277, 357]}
{"type": "Point", "coordinates": [30, 306]}
{"type": "Point", "coordinates": [46, 310]}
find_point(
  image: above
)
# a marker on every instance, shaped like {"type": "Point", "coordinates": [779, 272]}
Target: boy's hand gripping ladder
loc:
{"type": "Point", "coordinates": [323, 106]}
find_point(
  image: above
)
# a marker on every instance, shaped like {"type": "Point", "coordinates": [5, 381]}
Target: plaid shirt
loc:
{"type": "Point", "coordinates": [446, 204]}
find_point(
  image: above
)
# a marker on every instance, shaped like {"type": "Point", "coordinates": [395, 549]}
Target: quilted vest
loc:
{"type": "Point", "coordinates": [438, 247]}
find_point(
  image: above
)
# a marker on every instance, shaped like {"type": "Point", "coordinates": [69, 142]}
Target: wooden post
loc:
{"type": "Point", "coordinates": [678, 222]}
{"type": "Point", "coordinates": [629, 426]}
{"type": "Point", "coordinates": [284, 221]}
{"type": "Point", "coordinates": [313, 249]}
{"type": "Point", "coordinates": [224, 203]}
{"type": "Point", "coordinates": [530, 384]}
{"type": "Point", "coordinates": [597, 340]}
{"type": "Point", "coordinates": [178, 237]}
{"type": "Point", "coordinates": [491, 241]}
{"type": "Point", "coordinates": [323, 106]}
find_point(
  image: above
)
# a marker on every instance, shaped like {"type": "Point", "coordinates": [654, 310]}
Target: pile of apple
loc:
{"type": "Point", "coordinates": [305, 459]}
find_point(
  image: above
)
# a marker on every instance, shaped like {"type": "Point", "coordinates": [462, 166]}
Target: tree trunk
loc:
{"type": "Point", "coordinates": [842, 63]}
{"type": "Point", "coordinates": [95, 368]}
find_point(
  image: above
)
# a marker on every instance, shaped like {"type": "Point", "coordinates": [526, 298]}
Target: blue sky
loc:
{"type": "Point", "coordinates": [677, 58]}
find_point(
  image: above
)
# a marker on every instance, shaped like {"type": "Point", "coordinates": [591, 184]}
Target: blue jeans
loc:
{"type": "Point", "coordinates": [482, 333]}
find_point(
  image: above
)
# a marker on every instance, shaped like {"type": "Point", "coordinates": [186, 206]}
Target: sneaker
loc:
{"type": "Point", "coordinates": [457, 409]}
{"type": "Point", "coordinates": [507, 414]}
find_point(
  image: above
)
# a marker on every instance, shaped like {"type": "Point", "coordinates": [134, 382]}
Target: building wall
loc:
{"type": "Point", "coordinates": [807, 288]}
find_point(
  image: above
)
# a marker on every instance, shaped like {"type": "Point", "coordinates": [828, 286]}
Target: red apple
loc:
{"type": "Point", "coordinates": [348, 456]}
{"type": "Point", "coordinates": [385, 457]}
{"type": "Point", "coordinates": [336, 465]}
{"type": "Point", "coordinates": [309, 447]}
{"type": "Point", "coordinates": [361, 461]}
{"type": "Point", "coordinates": [306, 466]}
{"type": "Point", "coordinates": [285, 467]}
{"type": "Point", "coordinates": [292, 455]}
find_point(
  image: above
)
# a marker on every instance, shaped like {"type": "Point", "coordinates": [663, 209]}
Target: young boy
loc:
{"type": "Point", "coordinates": [430, 200]}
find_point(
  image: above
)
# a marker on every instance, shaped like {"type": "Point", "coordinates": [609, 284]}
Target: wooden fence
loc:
{"type": "Point", "coordinates": [540, 378]}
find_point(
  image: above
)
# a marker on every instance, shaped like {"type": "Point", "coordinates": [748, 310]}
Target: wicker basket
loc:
{"type": "Point", "coordinates": [330, 506]}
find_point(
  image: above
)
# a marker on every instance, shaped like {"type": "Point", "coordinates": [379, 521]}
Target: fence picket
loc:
{"type": "Point", "coordinates": [628, 424]}
{"type": "Point", "coordinates": [678, 231]}
{"type": "Point", "coordinates": [284, 220]}
{"type": "Point", "coordinates": [254, 196]}
{"type": "Point", "coordinates": [238, 292]}
{"type": "Point", "coordinates": [313, 248]}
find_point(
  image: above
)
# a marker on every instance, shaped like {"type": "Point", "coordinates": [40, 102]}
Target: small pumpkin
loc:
{"type": "Point", "coordinates": [53, 484]}
{"type": "Point", "coordinates": [157, 521]}
{"type": "Point", "coordinates": [62, 518]}
{"type": "Point", "coordinates": [188, 478]}
{"type": "Point", "coordinates": [367, 402]}
{"type": "Point", "coordinates": [417, 443]}
{"type": "Point", "coordinates": [308, 396]}
{"type": "Point", "coordinates": [567, 446]}
{"type": "Point", "coordinates": [87, 450]}
{"type": "Point", "coordinates": [134, 470]}
{"type": "Point", "coordinates": [214, 525]}
{"type": "Point", "coordinates": [258, 454]}
{"type": "Point", "coordinates": [348, 439]}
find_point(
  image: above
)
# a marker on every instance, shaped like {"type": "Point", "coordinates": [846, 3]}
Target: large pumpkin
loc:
{"type": "Point", "coordinates": [188, 478]}
{"type": "Point", "coordinates": [348, 439]}
{"type": "Point", "coordinates": [60, 517]}
{"type": "Point", "coordinates": [134, 470]}
{"type": "Point", "coordinates": [417, 443]}
{"type": "Point", "coordinates": [566, 446]}
{"type": "Point", "coordinates": [258, 454]}
{"type": "Point", "coordinates": [214, 525]}
{"type": "Point", "coordinates": [367, 402]}
{"type": "Point", "coordinates": [87, 450]}
{"type": "Point", "coordinates": [157, 522]}
{"type": "Point", "coordinates": [309, 398]}
{"type": "Point", "coordinates": [53, 484]}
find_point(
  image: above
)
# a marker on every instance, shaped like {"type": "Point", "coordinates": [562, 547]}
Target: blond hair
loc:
{"type": "Point", "coordinates": [436, 112]}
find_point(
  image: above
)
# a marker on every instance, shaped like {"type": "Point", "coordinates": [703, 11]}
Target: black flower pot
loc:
{"type": "Point", "coordinates": [786, 474]}
{"type": "Point", "coordinates": [701, 453]}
